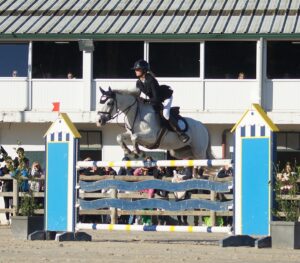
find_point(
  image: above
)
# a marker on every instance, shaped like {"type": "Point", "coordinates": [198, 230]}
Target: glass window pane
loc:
{"type": "Point", "coordinates": [13, 57]}
{"type": "Point", "coordinates": [293, 141]}
{"type": "Point", "coordinates": [84, 140]}
{"type": "Point", "coordinates": [90, 145]}
{"type": "Point", "coordinates": [281, 141]}
{"type": "Point", "coordinates": [175, 59]}
{"type": "Point", "coordinates": [226, 60]}
{"type": "Point", "coordinates": [114, 59]}
{"type": "Point", "coordinates": [91, 140]}
{"type": "Point", "coordinates": [56, 60]}
{"type": "Point", "coordinates": [283, 60]}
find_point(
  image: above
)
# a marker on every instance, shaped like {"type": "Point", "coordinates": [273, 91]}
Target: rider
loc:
{"type": "Point", "coordinates": [158, 95]}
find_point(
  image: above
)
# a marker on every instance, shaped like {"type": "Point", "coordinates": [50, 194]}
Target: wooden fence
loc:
{"type": "Point", "coordinates": [114, 213]}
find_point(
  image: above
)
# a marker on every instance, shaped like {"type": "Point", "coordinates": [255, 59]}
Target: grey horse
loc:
{"type": "Point", "coordinates": [143, 127]}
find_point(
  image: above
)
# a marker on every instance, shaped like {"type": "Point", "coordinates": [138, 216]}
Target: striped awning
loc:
{"type": "Point", "coordinates": [149, 19]}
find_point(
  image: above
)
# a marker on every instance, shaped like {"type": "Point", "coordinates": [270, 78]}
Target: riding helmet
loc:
{"type": "Point", "coordinates": [141, 64]}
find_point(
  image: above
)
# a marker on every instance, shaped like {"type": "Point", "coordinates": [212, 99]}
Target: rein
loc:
{"type": "Point", "coordinates": [125, 111]}
{"type": "Point", "coordinates": [135, 115]}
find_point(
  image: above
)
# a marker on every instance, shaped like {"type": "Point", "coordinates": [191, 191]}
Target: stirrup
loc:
{"type": "Point", "coordinates": [184, 138]}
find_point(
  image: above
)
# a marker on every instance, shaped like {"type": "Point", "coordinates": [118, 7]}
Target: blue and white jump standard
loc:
{"type": "Point", "coordinates": [61, 142]}
{"type": "Point", "coordinates": [255, 148]}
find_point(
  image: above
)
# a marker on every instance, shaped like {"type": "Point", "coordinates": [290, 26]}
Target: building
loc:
{"type": "Point", "coordinates": [198, 47]}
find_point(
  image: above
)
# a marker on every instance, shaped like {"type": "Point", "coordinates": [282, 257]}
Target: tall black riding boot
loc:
{"type": "Point", "coordinates": [182, 136]}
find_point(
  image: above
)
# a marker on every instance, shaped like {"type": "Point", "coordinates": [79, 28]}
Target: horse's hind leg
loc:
{"type": "Point", "coordinates": [183, 153]}
{"type": "Point", "coordinates": [121, 138]}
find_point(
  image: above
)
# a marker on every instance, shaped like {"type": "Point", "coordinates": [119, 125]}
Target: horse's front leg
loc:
{"type": "Point", "coordinates": [121, 138]}
{"type": "Point", "coordinates": [140, 137]}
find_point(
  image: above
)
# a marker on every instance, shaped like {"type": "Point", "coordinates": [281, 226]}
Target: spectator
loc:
{"type": "Point", "coordinates": [181, 175]}
{"type": "Point", "coordinates": [226, 171]}
{"type": "Point", "coordinates": [109, 171]}
{"type": "Point", "coordinates": [149, 170]}
{"type": "Point", "coordinates": [93, 170]}
{"type": "Point", "coordinates": [7, 185]}
{"type": "Point", "coordinates": [241, 75]}
{"type": "Point", "coordinates": [36, 172]}
{"type": "Point", "coordinates": [21, 163]}
{"type": "Point", "coordinates": [125, 170]}
{"type": "Point", "coordinates": [288, 169]}
{"type": "Point", "coordinates": [70, 75]}
{"type": "Point", "coordinates": [161, 172]}
{"type": "Point", "coordinates": [14, 73]}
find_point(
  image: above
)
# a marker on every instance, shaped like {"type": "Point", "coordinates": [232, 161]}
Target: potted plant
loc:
{"type": "Point", "coordinates": [285, 231]}
{"type": "Point", "coordinates": [25, 222]}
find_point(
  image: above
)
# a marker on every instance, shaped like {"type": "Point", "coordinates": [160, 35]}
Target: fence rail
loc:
{"type": "Point", "coordinates": [87, 196]}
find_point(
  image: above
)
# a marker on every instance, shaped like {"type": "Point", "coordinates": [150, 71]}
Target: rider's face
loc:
{"type": "Point", "coordinates": [139, 72]}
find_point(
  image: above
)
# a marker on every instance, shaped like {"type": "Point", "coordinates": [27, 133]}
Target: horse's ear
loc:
{"type": "Point", "coordinates": [109, 89]}
{"type": "Point", "coordinates": [102, 90]}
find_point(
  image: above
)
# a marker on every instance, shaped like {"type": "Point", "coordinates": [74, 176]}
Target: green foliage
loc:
{"type": "Point", "coordinates": [19, 170]}
{"type": "Point", "coordinates": [286, 190]}
{"type": "Point", "coordinates": [28, 205]}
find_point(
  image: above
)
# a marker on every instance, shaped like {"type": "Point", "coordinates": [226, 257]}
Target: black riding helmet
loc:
{"type": "Point", "coordinates": [141, 64]}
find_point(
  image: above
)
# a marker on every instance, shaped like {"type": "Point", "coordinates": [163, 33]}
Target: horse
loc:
{"type": "Point", "coordinates": [143, 127]}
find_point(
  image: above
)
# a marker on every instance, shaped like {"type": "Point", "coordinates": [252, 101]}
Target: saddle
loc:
{"type": "Point", "coordinates": [175, 117]}
{"type": "Point", "coordinates": [165, 125]}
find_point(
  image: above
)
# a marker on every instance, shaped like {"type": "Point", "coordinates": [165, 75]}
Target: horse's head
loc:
{"type": "Point", "coordinates": [107, 106]}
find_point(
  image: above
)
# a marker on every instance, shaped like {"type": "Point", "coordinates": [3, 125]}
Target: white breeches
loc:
{"type": "Point", "coordinates": [167, 106]}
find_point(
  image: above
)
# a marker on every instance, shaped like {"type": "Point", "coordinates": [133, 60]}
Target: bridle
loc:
{"type": "Point", "coordinates": [114, 103]}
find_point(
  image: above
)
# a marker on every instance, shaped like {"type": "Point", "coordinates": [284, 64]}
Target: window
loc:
{"type": "Point", "coordinates": [13, 58]}
{"type": "Point", "coordinates": [90, 145]}
{"type": "Point", "coordinates": [115, 59]}
{"type": "Point", "coordinates": [56, 60]}
{"type": "Point", "coordinates": [226, 60]}
{"type": "Point", "coordinates": [175, 59]}
{"type": "Point", "coordinates": [288, 148]}
{"type": "Point", "coordinates": [283, 60]}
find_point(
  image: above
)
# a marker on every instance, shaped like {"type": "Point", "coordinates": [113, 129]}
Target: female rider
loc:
{"type": "Point", "coordinates": [158, 95]}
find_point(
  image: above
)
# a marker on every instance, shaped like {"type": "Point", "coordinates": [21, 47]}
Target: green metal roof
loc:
{"type": "Point", "coordinates": [145, 19]}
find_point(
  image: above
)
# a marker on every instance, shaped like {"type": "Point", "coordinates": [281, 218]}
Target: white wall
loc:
{"type": "Point", "coordinates": [14, 94]}
{"type": "Point", "coordinates": [69, 92]}
{"type": "Point", "coordinates": [210, 101]}
{"type": "Point", "coordinates": [282, 95]}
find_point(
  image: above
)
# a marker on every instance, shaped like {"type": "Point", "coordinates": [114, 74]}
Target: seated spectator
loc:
{"type": "Point", "coordinates": [226, 171]}
{"type": "Point", "coordinates": [109, 171]}
{"type": "Point", "coordinates": [181, 175]}
{"type": "Point", "coordinates": [125, 170]}
{"type": "Point", "coordinates": [152, 171]}
{"type": "Point", "coordinates": [93, 170]}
